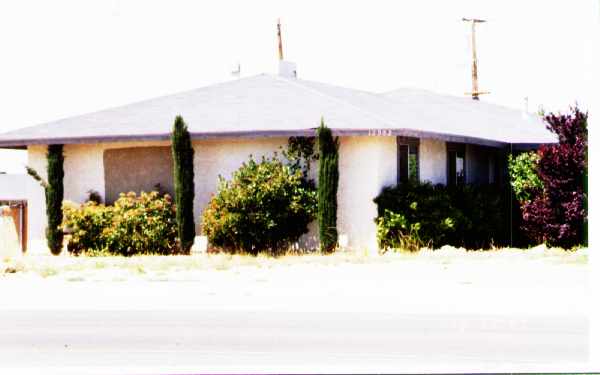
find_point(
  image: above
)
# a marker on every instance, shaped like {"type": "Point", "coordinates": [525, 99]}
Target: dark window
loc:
{"type": "Point", "coordinates": [408, 159]}
{"type": "Point", "coordinates": [492, 167]}
{"type": "Point", "coordinates": [456, 163]}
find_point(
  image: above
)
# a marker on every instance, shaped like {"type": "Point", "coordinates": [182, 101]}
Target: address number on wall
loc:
{"type": "Point", "coordinates": [380, 132]}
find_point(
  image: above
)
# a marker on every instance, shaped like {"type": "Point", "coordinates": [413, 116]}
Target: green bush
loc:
{"type": "Point", "coordinates": [523, 176]}
{"type": "Point", "coordinates": [143, 224]}
{"type": "Point", "coordinates": [414, 214]}
{"type": "Point", "coordinates": [394, 231]}
{"type": "Point", "coordinates": [266, 206]}
{"type": "Point", "coordinates": [86, 224]}
{"type": "Point", "coordinates": [133, 225]}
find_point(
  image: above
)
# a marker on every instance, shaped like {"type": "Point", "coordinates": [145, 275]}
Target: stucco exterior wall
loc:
{"type": "Point", "coordinates": [84, 170]}
{"type": "Point", "coordinates": [137, 169]}
{"type": "Point", "coordinates": [84, 167]}
{"type": "Point", "coordinates": [36, 158]}
{"type": "Point", "coordinates": [366, 165]}
{"type": "Point", "coordinates": [222, 157]}
{"type": "Point", "coordinates": [432, 161]}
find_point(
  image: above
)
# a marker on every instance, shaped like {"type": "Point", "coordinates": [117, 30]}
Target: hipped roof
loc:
{"type": "Point", "coordinates": [267, 105]}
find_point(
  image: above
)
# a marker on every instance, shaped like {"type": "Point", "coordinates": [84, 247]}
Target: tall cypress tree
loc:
{"type": "Point", "coordinates": [54, 197]}
{"type": "Point", "coordinates": [183, 170]}
{"type": "Point", "coordinates": [327, 189]}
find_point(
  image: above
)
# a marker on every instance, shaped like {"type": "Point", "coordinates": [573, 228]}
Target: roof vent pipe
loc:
{"type": "Point", "coordinates": [287, 69]}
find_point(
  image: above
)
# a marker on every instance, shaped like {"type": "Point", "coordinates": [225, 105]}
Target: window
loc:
{"type": "Point", "coordinates": [456, 163]}
{"type": "Point", "coordinates": [492, 169]}
{"type": "Point", "coordinates": [408, 159]}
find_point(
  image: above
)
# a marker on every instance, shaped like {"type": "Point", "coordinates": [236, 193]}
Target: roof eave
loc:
{"type": "Point", "coordinates": [23, 143]}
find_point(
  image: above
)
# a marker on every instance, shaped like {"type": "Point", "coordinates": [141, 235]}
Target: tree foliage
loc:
{"type": "Point", "coordinates": [523, 175]}
{"type": "Point", "coordinates": [35, 175]}
{"type": "Point", "coordinates": [558, 214]}
{"type": "Point", "coordinates": [183, 170]}
{"type": "Point", "coordinates": [327, 189]}
{"type": "Point", "coordinates": [301, 151]}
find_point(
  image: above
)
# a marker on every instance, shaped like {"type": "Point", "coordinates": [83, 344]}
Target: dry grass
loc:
{"type": "Point", "coordinates": [150, 267]}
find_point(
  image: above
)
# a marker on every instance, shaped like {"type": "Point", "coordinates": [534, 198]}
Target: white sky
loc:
{"type": "Point", "coordinates": [63, 58]}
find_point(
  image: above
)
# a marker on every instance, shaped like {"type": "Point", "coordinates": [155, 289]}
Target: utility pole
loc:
{"type": "Point", "coordinates": [475, 89]}
{"type": "Point", "coordinates": [279, 38]}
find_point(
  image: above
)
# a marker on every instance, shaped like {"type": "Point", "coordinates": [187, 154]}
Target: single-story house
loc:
{"type": "Point", "coordinates": [384, 137]}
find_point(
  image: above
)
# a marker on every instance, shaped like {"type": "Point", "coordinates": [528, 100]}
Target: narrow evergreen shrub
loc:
{"type": "Point", "coordinates": [183, 170]}
{"type": "Point", "coordinates": [265, 207]}
{"type": "Point", "coordinates": [327, 188]}
{"type": "Point", "coordinates": [54, 197]}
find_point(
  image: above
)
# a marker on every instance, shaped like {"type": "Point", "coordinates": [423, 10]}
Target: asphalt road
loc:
{"type": "Point", "coordinates": [147, 328]}
{"type": "Point", "coordinates": [167, 340]}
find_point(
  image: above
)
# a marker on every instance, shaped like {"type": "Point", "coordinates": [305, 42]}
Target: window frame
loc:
{"type": "Point", "coordinates": [408, 146]}
{"type": "Point", "coordinates": [453, 151]}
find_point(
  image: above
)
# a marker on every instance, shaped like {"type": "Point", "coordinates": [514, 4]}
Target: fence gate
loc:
{"type": "Point", "coordinates": [18, 210]}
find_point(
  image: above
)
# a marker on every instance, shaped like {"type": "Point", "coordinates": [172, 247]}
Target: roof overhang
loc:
{"type": "Point", "coordinates": [21, 144]}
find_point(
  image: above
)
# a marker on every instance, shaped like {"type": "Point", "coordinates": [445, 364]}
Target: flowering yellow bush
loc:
{"type": "Point", "coordinates": [133, 225]}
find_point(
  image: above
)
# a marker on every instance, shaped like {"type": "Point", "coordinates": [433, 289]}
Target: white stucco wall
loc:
{"type": "Point", "coordinates": [36, 158]}
{"type": "Point", "coordinates": [222, 157]}
{"type": "Point", "coordinates": [366, 165]}
{"type": "Point", "coordinates": [84, 167]}
{"type": "Point", "coordinates": [84, 170]}
{"type": "Point", "coordinates": [432, 161]}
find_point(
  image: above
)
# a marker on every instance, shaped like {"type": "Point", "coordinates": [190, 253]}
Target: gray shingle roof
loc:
{"type": "Point", "coordinates": [267, 105]}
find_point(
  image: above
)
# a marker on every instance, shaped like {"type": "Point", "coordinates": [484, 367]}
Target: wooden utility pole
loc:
{"type": "Point", "coordinates": [279, 38]}
{"type": "Point", "coordinates": [475, 89]}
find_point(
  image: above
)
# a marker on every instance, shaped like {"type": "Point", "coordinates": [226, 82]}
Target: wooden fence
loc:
{"type": "Point", "coordinates": [18, 210]}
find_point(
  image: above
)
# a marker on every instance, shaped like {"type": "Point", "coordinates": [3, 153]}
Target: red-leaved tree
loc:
{"type": "Point", "coordinates": [558, 214]}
